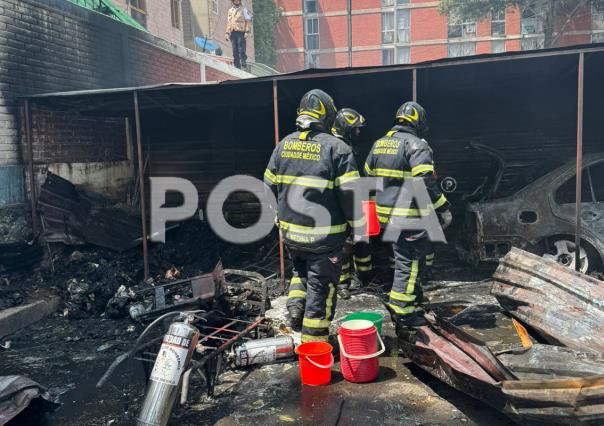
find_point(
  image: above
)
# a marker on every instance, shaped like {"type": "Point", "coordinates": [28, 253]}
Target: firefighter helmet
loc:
{"type": "Point", "coordinates": [413, 115]}
{"type": "Point", "coordinates": [317, 111]}
{"type": "Point", "coordinates": [347, 120]}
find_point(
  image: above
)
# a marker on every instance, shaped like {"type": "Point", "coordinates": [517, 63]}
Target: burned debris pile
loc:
{"type": "Point", "coordinates": [480, 348]}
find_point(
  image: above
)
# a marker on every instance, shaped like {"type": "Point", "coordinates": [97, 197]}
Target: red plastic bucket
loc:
{"type": "Point", "coordinates": [359, 353]}
{"type": "Point", "coordinates": [316, 360]}
{"type": "Point", "coordinates": [373, 225]}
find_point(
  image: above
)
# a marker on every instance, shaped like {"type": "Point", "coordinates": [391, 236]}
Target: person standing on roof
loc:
{"type": "Point", "coordinates": [401, 154]}
{"type": "Point", "coordinates": [347, 127]}
{"type": "Point", "coordinates": [239, 26]}
{"type": "Point", "coordinates": [308, 171]}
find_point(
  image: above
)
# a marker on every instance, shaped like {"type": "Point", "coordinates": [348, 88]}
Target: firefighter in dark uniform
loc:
{"type": "Point", "coordinates": [400, 154]}
{"type": "Point", "coordinates": [347, 127]}
{"type": "Point", "coordinates": [308, 171]}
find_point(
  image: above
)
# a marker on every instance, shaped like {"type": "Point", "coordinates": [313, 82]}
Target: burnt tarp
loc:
{"type": "Point", "coordinates": [74, 216]}
{"type": "Point", "coordinates": [564, 306]}
{"type": "Point", "coordinates": [18, 393]}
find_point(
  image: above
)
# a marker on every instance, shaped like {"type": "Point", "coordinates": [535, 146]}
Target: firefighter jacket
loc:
{"type": "Point", "coordinates": [313, 168]}
{"type": "Point", "coordinates": [398, 155]}
{"type": "Point", "coordinates": [238, 19]}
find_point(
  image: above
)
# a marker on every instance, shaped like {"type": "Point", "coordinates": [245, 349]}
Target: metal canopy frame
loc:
{"type": "Point", "coordinates": [579, 51]}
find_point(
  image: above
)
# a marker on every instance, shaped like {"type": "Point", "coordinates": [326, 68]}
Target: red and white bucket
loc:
{"type": "Point", "coordinates": [359, 352]}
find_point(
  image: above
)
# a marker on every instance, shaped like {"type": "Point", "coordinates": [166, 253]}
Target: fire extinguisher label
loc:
{"type": "Point", "coordinates": [259, 355]}
{"type": "Point", "coordinates": [169, 364]}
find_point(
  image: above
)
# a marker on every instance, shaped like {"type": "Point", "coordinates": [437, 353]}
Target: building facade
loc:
{"type": "Point", "coordinates": [207, 19]}
{"type": "Point", "coordinates": [314, 33]}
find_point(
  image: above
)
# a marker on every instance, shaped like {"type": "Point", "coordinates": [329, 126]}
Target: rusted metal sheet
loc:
{"type": "Point", "coordinates": [568, 385]}
{"type": "Point", "coordinates": [564, 306]}
{"type": "Point", "coordinates": [72, 216]}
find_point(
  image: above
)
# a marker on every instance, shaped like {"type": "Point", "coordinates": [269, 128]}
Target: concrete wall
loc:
{"type": "Point", "coordinates": [54, 45]}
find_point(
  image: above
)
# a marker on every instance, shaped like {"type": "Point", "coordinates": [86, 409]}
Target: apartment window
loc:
{"type": "Point", "coordinates": [454, 30]}
{"type": "Point", "coordinates": [458, 29]}
{"type": "Point", "coordinates": [312, 33]}
{"type": "Point", "coordinates": [387, 3]}
{"type": "Point", "coordinates": [175, 13]}
{"type": "Point", "coordinates": [402, 25]}
{"type": "Point", "coordinates": [498, 23]}
{"type": "Point", "coordinates": [310, 6]}
{"type": "Point", "coordinates": [532, 43]}
{"type": "Point", "coordinates": [139, 5]}
{"type": "Point", "coordinates": [399, 2]}
{"type": "Point", "coordinates": [388, 56]}
{"type": "Point", "coordinates": [498, 46]}
{"type": "Point", "coordinates": [403, 55]}
{"type": "Point", "coordinates": [313, 60]}
{"type": "Point", "coordinates": [138, 11]}
{"type": "Point", "coordinates": [388, 27]}
{"type": "Point", "coordinates": [214, 6]}
{"type": "Point", "coordinates": [461, 49]}
{"type": "Point", "coordinates": [530, 23]}
{"type": "Point", "coordinates": [597, 38]}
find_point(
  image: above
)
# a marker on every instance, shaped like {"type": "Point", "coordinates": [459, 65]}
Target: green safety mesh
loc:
{"type": "Point", "coordinates": [106, 7]}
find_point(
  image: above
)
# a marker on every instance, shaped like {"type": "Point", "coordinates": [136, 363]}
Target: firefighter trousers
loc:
{"type": "Point", "coordinates": [355, 257]}
{"type": "Point", "coordinates": [410, 264]}
{"type": "Point", "coordinates": [313, 291]}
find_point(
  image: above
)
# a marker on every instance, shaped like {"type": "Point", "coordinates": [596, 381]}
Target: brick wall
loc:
{"type": "Point", "coordinates": [63, 137]}
{"type": "Point", "coordinates": [54, 45]}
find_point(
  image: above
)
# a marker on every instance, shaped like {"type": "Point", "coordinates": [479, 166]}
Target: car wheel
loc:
{"type": "Point", "coordinates": [563, 252]}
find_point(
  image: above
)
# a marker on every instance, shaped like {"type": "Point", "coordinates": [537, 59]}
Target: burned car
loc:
{"type": "Point", "coordinates": [541, 218]}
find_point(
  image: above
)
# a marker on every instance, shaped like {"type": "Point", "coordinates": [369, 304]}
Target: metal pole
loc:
{"type": "Point", "coordinates": [349, 33]}
{"type": "Point", "coordinates": [276, 120]}
{"type": "Point", "coordinates": [414, 89]}
{"type": "Point", "coordinates": [30, 161]}
{"type": "Point", "coordinates": [141, 178]}
{"type": "Point", "coordinates": [579, 161]}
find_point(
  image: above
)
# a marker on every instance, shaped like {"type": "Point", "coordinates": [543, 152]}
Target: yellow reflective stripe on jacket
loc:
{"type": "Point", "coordinates": [296, 294]}
{"type": "Point", "coordinates": [402, 296]}
{"type": "Point", "coordinates": [313, 230]}
{"type": "Point", "coordinates": [296, 280]}
{"type": "Point", "coordinates": [345, 266]}
{"type": "Point", "coordinates": [402, 311]}
{"type": "Point", "coordinates": [392, 173]}
{"type": "Point", "coordinates": [391, 133]}
{"type": "Point", "coordinates": [310, 182]}
{"type": "Point", "coordinates": [347, 177]}
{"type": "Point", "coordinates": [390, 211]}
{"type": "Point", "coordinates": [270, 176]}
{"type": "Point", "coordinates": [315, 323]}
{"type": "Point", "coordinates": [368, 170]}
{"type": "Point", "coordinates": [364, 268]}
{"type": "Point", "coordinates": [357, 223]}
{"type": "Point", "coordinates": [304, 135]}
{"type": "Point", "coordinates": [422, 168]}
{"type": "Point", "coordinates": [440, 202]}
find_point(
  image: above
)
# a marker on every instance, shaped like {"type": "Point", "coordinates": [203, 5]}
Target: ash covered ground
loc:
{"type": "Point", "coordinates": [69, 351]}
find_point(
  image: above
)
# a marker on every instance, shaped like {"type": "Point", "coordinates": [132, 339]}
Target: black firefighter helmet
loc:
{"type": "Point", "coordinates": [317, 111]}
{"type": "Point", "coordinates": [413, 115]}
{"type": "Point", "coordinates": [347, 120]}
